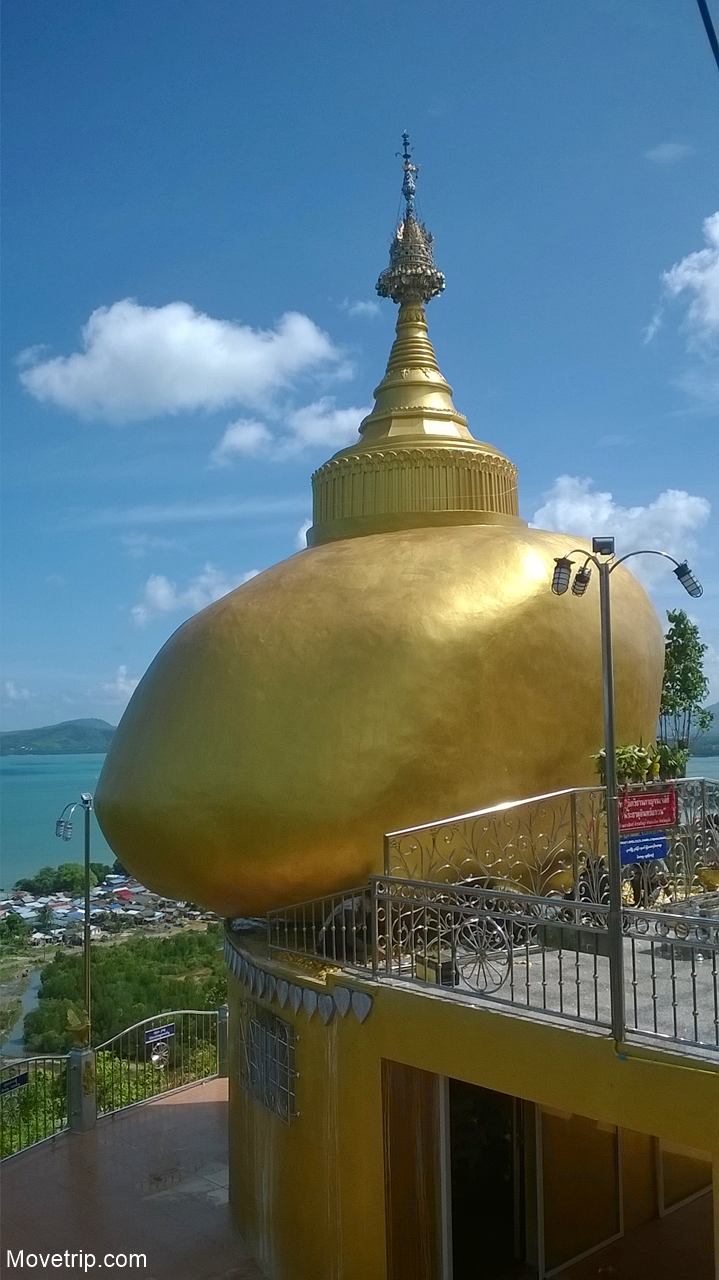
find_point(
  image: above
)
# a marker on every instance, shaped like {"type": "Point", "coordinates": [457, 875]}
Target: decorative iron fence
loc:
{"type": "Point", "coordinates": [155, 1056]}
{"type": "Point", "coordinates": [671, 967]}
{"type": "Point", "coordinates": [33, 1102]}
{"type": "Point", "coordinates": [336, 928]}
{"type": "Point", "coordinates": [557, 843]}
{"type": "Point", "coordinates": [547, 955]}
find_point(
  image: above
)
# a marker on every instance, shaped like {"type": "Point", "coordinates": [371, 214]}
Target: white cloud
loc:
{"type": "Point", "coordinates": [367, 310]}
{"type": "Point", "coordinates": [244, 438]}
{"type": "Point", "coordinates": [669, 153]}
{"type": "Point", "coordinates": [160, 595]}
{"type": "Point", "coordinates": [320, 424]}
{"type": "Point", "coordinates": [654, 326]}
{"type": "Point", "coordinates": [301, 535]}
{"type": "Point", "coordinates": [139, 362]}
{"type": "Point", "coordinates": [15, 694]}
{"type": "Point", "coordinates": [667, 524]}
{"type": "Point", "coordinates": [123, 686]}
{"type": "Point", "coordinates": [137, 545]}
{"type": "Point", "coordinates": [698, 275]}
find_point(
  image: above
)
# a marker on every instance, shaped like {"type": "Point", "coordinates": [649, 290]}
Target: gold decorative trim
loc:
{"type": "Point", "coordinates": [411, 482]}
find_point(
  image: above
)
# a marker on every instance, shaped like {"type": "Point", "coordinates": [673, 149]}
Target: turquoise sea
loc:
{"type": "Point", "coordinates": [33, 792]}
{"type": "Point", "coordinates": [35, 789]}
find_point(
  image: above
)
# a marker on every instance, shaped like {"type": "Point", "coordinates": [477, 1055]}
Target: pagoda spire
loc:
{"type": "Point", "coordinates": [416, 463]}
{"type": "Point", "coordinates": [411, 275]}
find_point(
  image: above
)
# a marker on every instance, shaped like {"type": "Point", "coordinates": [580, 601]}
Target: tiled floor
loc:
{"type": "Point", "coordinates": [151, 1180]}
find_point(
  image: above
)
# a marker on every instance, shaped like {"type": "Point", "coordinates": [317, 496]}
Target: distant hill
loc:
{"type": "Point", "coordinates": [707, 744]}
{"type": "Point", "coordinates": [71, 738]}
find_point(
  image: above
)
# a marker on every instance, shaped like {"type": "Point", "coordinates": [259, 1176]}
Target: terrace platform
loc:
{"type": "Point", "coordinates": [151, 1179]}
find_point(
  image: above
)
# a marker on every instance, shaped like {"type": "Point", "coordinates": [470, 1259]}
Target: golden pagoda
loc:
{"type": "Point", "coordinates": [411, 662]}
{"type": "Point", "coordinates": [423, 1079]}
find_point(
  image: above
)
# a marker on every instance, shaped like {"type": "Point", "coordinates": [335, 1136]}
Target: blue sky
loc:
{"type": "Point", "coordinates": [207, 192]}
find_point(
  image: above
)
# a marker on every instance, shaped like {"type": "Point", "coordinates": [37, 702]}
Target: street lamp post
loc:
{"type": "Point", "coordinates": [63, 830]}
{"type": "Point", "coordinates": [561, 579]}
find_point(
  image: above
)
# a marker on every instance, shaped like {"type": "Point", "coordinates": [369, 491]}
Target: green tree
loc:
{"type": "Point", "coordinates": [130, 981]}
{"type": "Point", "coordinates": [682, 715]}
{"type": "Point", "coordinates": [100, 870]}
{"type": "Point", "coordinates": [69, 877]}
{"type": "Point", "coordinates": [45, 919]}
{"type": "Point", "coordinates": [42, 882]}
{"type": "Point", "coordinates": [14, 932]}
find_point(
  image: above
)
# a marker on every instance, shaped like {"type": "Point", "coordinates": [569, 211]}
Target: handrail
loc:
{"type": "Point", "coordinates": [493, 808]}
{"type": "Point", "coordinates": [127, 1069]}
{"type": "Point", "coordinates": [166, 1013]}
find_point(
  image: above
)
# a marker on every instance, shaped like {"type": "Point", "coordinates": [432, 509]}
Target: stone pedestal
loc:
{"type": "Point", "coordinates": [81, 1095]}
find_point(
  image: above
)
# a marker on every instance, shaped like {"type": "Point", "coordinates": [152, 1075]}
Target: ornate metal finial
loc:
{"type": "Point", "coordinates": [411, 275]}
{"type": "Point", "coordinates": [409, 186]}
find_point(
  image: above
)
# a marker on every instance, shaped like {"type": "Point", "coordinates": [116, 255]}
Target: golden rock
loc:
{"type": "Point", "coordinates": [358, 687]}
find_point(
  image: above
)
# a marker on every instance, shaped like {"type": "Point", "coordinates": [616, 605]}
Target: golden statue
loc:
{"type": "Point", "coordinates": [412, 663]}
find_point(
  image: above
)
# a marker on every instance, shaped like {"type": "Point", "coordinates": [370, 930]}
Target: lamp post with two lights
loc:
{"type": "Point", "coordinates": [602, 556]}
{"type": "Point", "coordinates": [63, 830]}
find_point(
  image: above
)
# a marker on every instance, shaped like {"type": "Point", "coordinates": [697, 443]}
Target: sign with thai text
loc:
{"type": "Point", "coordinates": [14, 1082]}
{"type": "Point", "coordinates": [647, 847]}
{"type": "Point", "coordinates": [159, 1033]}
{"type": "Point", "coordinates": [647, 810]}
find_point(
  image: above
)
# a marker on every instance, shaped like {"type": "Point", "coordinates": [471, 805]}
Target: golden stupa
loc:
{"type": "Point", "coordinates": [410, 664]}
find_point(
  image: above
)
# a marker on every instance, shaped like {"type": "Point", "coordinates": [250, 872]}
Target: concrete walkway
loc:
{"type": "Point", "coordinates": [152, 1180]}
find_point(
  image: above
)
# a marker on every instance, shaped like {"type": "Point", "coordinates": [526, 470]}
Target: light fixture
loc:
{"type": "Point", "coordinates": [603, 546]}
{"type": "Point", "coordinates": [160, 1055]}
{"type": "Point", "coordinates": [581, 580]}
{"type": "Point", "coordinates": [60, 828]}
{"type": "Point", "coordinates": [688, 581]}
{"type": "Point", "coordinates": [562, 575]}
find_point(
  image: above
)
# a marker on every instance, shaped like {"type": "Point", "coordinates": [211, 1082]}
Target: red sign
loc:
{"type": "Point", "coordinates": [647, 810]}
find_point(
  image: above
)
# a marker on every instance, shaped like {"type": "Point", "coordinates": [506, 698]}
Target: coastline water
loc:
{"type": "Point", "coordinates": [34, 790]}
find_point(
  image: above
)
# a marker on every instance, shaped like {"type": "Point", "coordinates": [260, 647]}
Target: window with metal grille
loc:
{"type": "Point", "coordinates": [267, 1059]}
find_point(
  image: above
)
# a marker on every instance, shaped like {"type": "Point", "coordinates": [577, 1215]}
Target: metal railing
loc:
{"type": "Point", "coordinates": [671, 966]}
{"type": "Point", "coordinates": [546, 955]}
{"type": "Point", "coordinates": [165, 1052]}
{"type": "Point", "coordinates": [33, 1102]}
{"type": "Point", "coordinates": [336, 928]}
{"type": "Point", "coordinates": [157, 1055]}
{"type": "Point", "coordinates": [557, 844]}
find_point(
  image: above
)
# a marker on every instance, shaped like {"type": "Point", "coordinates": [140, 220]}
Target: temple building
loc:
{"type": "Point", "coordinates": [386, 745]}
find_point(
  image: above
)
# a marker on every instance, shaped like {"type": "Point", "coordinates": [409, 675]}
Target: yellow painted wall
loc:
{"type": "Point", "coordinates": [309, 1195]}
